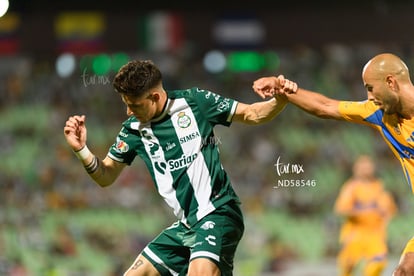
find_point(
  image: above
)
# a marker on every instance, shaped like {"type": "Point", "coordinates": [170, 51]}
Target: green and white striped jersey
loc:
{"type": "Point", "coordinates": [180, 150]}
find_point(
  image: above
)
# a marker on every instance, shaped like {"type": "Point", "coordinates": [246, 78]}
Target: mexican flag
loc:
{"type": "Point", "coordinates": [160, 31]}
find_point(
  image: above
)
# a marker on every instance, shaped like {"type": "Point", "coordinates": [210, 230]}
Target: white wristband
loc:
{"type": "Point", "coordinates": [83, 153]}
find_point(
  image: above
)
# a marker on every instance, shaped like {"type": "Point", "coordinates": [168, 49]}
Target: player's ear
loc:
{"type": "Point", "coordinates": [155, 96]}
{"type": "Point", "coordinates": [390, 80]}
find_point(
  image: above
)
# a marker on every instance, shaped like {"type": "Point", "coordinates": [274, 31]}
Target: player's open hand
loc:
{"type": "Point", "coordinates": [75, 132]}
{"type": "Point", "coordinates": [271, 86]}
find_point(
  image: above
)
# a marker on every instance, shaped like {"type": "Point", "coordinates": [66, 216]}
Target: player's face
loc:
{"type": "Point", "coordinates": [381, 94]}
{"type": "Point", "coordinates": [364, 168]}
{"type": "Point", "coordinates": [143, 108]}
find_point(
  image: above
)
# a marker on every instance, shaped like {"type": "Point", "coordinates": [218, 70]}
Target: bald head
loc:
{"type": "Point", "coordinates": [364, 167]}
{"type": "Point", "coordinates": [386, 64]}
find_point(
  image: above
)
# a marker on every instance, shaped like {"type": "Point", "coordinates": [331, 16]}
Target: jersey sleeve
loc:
{"type": "Point", "coordinates": [122, 150]}
{"type": "Point", "coordinates": [217, 109]}
{"type": "Point", "coordinates": [359, 112]}
{"type": "Point", "coordinates": [345, 201]}
{"type": "Point", "coordinates": [387, 204]}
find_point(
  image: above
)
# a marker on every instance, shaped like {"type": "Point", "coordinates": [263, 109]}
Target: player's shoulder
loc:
{"type": "Point", "coordinates": [365, 109]}
{"type": "Point", "coordinates": [185, 93]}
{"type": "Point", "coordinates": [363, 103]}
{"type": "Point", "coordinates": [129, 123]}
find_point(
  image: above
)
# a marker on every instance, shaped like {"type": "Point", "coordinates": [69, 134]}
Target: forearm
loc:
{"type": "Point", "coordinates": [262, 112]}
{"type": "Point", "coordinates": [315, 103]}
{"type": "Point", "coordinates": [99, 170]}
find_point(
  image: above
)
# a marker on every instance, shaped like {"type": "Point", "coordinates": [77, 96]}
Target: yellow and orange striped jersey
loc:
{"type": "Point", "coordinates": [397, 132]}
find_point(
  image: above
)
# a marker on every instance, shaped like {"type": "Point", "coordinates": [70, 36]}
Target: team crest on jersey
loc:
{"type": "Point", "coordinates": [183, 120]}
{"type": "Point", "coordinates": [121, 146]}
{"type": "Point", "coordinates": [208, 225]}
{"type": "Point", "coordinates": [224, 105]}
{"type": "Point", "coordinates": [411, 138]}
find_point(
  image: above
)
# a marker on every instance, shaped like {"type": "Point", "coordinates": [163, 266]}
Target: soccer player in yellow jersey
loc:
{"type": "Point", "coordinates": [367, 208]}
{"type": "Point", "coordinates": [389, 109]}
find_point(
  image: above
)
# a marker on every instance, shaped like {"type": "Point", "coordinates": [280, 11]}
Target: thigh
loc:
{"type": "Point", "coordinates": [203, 266]}
{"type": "Point", "coordinates": [350, 254]}
{"type": "Point", "coordinates": [376, 248]}
{"type": "Point", "coordinates": [168, 252]}
{"type": "Point", "coordinates": [217, 236]}
{"type": "Point", "coordinates": [142, 266]}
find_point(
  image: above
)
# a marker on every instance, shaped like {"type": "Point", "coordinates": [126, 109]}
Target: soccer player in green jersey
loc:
{"type": "Point", "coordinates": [173, 132]}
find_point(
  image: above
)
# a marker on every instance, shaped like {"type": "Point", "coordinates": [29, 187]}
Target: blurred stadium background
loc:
{"type": "Point", "coordinates": [58, 58]}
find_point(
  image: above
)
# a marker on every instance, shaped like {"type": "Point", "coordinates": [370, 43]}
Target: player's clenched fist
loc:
{"type": "Point", "coordinates": [75, 132]}
{"type": "Point", "coordinates": [271, 86]}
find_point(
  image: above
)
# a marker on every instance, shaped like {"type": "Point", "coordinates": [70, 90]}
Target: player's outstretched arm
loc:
{"type": "Point", "coordinates": [315, 104]}
{"type": "Point", "coordinates": [259, 112]}
{"type": "Point", "coordinates": [262, 112]}
{"type": "Point", "coordinates": [312, 102]}
{"type": "Point", "coordinates": [104, 172]}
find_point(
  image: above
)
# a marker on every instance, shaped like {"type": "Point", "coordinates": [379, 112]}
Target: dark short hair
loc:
{"type": "Point", "coordinates": [137, 77]}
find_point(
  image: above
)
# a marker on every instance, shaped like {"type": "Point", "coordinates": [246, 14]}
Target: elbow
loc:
{"type": "Point", "coordinates": [257, 118]}
{"type": "Point", "coordinates": [103, 183]}
{"type": "Point", "coordinates": [324, 114]}
{"type": "Point", "coordinates": [254, 120]}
